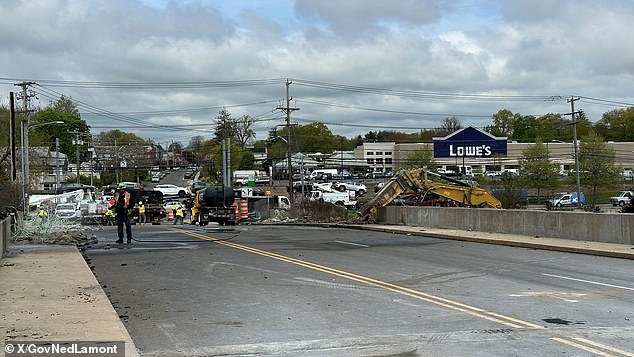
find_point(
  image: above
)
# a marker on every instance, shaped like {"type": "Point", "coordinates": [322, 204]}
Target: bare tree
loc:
{"type": "Point", "coordinates": [243, 132]}
{"type": "Point", "coordinates": [449, 125]}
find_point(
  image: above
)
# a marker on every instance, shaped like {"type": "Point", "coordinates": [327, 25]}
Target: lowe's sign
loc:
{"type": "Point", "coordinates": [469, 142]}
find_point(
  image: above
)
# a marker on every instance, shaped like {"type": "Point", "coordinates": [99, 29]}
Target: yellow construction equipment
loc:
{"type": "Point", "coordinates": [418, 180]}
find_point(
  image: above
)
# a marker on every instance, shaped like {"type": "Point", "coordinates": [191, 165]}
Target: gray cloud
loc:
{"type": "Point", "coordinates": [559, 47]}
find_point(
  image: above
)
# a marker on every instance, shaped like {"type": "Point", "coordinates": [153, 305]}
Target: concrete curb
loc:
{"type": "Point", "coordinates": [50, 294]}
{"type": "Point", "coordinates": [611, 250]}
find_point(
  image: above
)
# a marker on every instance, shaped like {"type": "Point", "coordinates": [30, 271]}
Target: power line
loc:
{"type": "Point", "coordinates": [427, 95]}
{"type": "Point", "coordinates": [153, 85]}
{"type": "Point", "coordinates": [334, 105]}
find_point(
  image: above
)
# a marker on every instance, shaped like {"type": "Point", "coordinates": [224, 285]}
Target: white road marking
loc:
{"type": "Point", "coordinates": [350, 243]}
{"type": "Point", "coordinates": [588, 281]}
{"type": "Point", "coordinates": [550, 294]}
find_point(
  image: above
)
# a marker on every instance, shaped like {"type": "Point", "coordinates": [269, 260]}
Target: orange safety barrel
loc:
{"type": "Point", "coordinates": [170, 215]}
{"type": "Point", "coordinates": [244, 209]}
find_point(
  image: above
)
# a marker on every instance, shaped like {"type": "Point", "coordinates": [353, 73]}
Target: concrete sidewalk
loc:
{"type": "Point", "coordinates": [48, 293]}
{"type": "Point", "coordinates": [564, 245]}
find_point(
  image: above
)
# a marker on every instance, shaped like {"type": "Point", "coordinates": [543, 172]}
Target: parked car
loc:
{"type": "Point", "coordinates": [357, 187]}
{"type": "Point", "coordinates": [622, 198]}
{"type": "Point", "coordinates": [172, 190]}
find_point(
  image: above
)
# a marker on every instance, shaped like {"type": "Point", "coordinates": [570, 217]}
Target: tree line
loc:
{"type": "Point", "coordinates": [616, 124]}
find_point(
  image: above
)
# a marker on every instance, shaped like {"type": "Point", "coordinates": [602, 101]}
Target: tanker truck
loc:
{"type": "Point", "coordinates": [214, 204]}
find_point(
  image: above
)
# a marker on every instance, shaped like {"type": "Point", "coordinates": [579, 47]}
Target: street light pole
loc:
{"type": "Point", "coordinates": [574, 134]}
{"type": "Point", "coordinates": [25, 159]}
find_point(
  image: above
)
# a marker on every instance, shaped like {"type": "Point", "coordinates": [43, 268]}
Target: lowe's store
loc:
{"type": "Point", "coordinates": [478, 151]}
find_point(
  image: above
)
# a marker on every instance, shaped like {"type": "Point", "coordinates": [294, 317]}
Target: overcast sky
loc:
{"type": "Point", "coordinates": [357, 65]}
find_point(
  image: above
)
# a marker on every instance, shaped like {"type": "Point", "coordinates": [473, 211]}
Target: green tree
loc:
{"type": "Point", "coordinates": [121, 138]}
{"type": "Point", "coordinates": [423, 158]}
{"type": "Point", "coordinates": [617, 124]}
{"type": "Point", "coordinates": [536, 170]}
{"type": "Point", "coordinates": [224, 126]}
{"type": "Point", "coordinates": [61, 110]}
{"type": "Point", "coordinates": [550, 127]}
{"type": "Point", "coordinates": [503, 122]}
{"type": "Point", "coordinates": [596, 164]}
{"type": "Point", "coordinates": [313, 137]}
{"type": "Point", "coordinates": [525, 128]}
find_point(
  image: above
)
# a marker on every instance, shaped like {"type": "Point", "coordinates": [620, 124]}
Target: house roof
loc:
{"type": "Point", "coordinates": [344, 158]}
{"type": "Point", "coordinates": [297, 160]}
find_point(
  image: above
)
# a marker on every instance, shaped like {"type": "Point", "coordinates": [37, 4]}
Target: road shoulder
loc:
{"type": "Point", "coordinates": [624, 251]}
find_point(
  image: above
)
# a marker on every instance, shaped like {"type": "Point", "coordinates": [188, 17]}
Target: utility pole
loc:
{"type": "Point", "coordinates": [224, 162]}
{"type": "Point", "coordinates": [77, 142]}
{"type": "Point", "coordinates": [56, 166]}
{"type": "Point", "coordinates": [12, 145]}
{"type": "Point", "coordinates": [572, 101]}
{"type": "Point", "coordinates": [229, 179]}
{"type": "Point", "coordinates": [26, 121]}
{"type": "Point", "coordinates": [288, 110]}
{"type": "Point", "coordinates": [116, 161]}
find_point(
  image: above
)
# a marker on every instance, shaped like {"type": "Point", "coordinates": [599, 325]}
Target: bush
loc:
{"type": "Point", "coordinates": [10, 195]}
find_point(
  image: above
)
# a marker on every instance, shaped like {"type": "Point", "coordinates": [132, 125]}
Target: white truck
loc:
{"type": "Point", "coordinates": [337, 198]}
{"type": "Point", "coordinates": [622, 198]}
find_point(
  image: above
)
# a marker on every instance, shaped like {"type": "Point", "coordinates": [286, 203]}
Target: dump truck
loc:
{"type": "Point", "coordinates": [418, 180]}
{"type": "Point", "coordinates": [214, 204]}
{"type": "Point", "coordinates": [153, 201]}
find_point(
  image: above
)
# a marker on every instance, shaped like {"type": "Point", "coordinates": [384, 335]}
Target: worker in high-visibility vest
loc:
{"type": "Point", "coordinates": [42, 213]}
{"type": "Point", "coordinates": [122, 208]}
{"type": "Point", "coordinates": [142, 212]}
{"type": "Point", "coordinates": [109, 216]}
{"type": "Point", "coordinates": [180, 215]}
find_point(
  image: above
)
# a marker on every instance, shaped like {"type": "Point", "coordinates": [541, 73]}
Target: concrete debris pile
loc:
{"type": "Point", "coordinates": [53, 231]}
{"type": "Point", "coordinates": [322, 212]}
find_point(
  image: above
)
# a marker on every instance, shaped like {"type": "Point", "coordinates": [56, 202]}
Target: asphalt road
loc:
{"type": "Point", "coordinates": [280, 290]}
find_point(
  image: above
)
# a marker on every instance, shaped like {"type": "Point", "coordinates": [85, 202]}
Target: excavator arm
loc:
{"type": "Point", "coordinates": [417, 179]}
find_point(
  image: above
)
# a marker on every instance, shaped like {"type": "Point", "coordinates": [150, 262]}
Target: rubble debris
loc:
{"type": "Point", "coordinates": [53, 231]}
{"type": "Point", "coordinates": [314, 212]}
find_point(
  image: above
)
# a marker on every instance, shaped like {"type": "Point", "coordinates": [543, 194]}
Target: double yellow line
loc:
{"type": "Point", "coordinates": [593, 347]}
{"type": "Point", "coordinates": [450, 304]}
{"type": "Point", "coordinates": [577, 342]}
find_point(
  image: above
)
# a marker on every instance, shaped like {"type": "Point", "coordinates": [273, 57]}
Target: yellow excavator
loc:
{"type": "Point", "coordinates": [418, 180]}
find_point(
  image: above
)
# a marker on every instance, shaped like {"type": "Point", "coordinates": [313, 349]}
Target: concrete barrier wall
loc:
{"type": "Point", "coordinates": [598, 227]}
